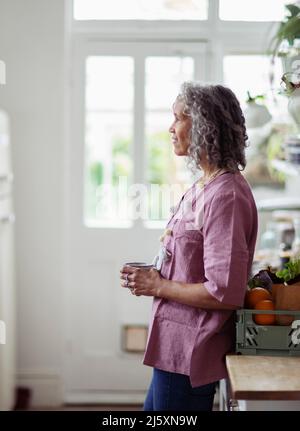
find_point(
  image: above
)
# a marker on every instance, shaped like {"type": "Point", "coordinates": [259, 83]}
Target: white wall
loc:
{"type": "Point", "coordinates": [32, 45]}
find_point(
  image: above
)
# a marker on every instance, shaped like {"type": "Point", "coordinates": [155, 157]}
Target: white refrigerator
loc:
{"type": "Point", "coordinates": [7, 271]}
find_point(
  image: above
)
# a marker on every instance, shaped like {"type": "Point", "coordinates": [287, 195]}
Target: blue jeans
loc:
{"type": "Point", "coordinates": [172, 391]}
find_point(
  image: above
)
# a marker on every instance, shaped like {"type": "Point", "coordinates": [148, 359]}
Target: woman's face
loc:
{"type": "Point", "coordinates": [180, 129]}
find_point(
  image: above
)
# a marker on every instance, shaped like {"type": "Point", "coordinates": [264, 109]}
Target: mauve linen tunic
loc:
{"type": "Point", "coordinates": [213, 241]}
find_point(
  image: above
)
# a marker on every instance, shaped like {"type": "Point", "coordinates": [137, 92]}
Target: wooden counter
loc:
{"type": "Point", "coordinates": [264, 377]}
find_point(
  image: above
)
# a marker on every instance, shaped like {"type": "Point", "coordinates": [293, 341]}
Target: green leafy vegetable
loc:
{"type": "Point", "coordinates": [291, 272]}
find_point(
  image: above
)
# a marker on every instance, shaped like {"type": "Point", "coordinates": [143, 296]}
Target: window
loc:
{"type": "Point", "coordinates": [140, 9]}
{"type": "Point", "coordinates": [115, 143]}
{"type": "Point", "coordinates": [108, 133]}
{"type": "Point", "coordinates": [254, 10]}
{"type": "Point", "coordinates": [252, 73]}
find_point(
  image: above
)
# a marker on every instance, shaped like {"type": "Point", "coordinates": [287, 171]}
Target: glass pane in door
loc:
{"type": "Point", "coordinates": [108, 137]}
{"type": "Point", "coordinates": [164, 75]}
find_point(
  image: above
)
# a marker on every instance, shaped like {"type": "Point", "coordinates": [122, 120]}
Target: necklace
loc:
{"type": "Point", "coordinates": [204, 181]}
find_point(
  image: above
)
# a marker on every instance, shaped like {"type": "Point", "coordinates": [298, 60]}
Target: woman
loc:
{"type": "Point", "coordinates": [207, 253]}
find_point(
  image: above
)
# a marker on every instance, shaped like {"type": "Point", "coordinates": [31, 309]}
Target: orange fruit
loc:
{"type": "Point", "coordinates": [264, 319]}
{"type": "Point", "coordinates": [256, 295]}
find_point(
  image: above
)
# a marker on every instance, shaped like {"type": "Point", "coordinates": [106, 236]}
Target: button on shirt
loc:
{"type": "Point", "coordinates": [212, 242]}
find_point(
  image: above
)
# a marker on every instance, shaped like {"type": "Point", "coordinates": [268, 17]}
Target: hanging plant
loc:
{"type": "Point", "coordinates": [288, 31]}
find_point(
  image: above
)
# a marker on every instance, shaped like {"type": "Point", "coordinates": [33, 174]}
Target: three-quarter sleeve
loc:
{"type": "Point", "coordinates": [225, 247]}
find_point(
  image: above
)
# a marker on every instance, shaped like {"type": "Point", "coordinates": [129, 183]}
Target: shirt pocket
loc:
{"type": "Point", "coordinates": [185, 249]}
{"type": "Point", "coordinates": [188, 252]}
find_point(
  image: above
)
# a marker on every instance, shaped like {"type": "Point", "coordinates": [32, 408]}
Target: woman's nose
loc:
{"type": "Point", "coordinates": [171, 128]}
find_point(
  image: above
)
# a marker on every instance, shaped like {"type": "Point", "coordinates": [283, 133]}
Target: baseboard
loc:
{"type": "Point", "coordinates": [46, 387]}
{"type": "Point", "coordinates": [47, 391]}
{"type": "Point", "coordinates": [113, 398]}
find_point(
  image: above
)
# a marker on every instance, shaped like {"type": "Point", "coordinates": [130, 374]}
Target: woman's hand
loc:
{"type": "Point", "coordinates": [141, 281]}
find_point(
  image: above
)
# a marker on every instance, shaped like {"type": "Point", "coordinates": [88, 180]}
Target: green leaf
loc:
{"type": "Point", "coordinates": [293, 9]}
{"type": "Point", "coordinates": [291, 270]}
{"type": "Point", "coordinates": [290, 28]}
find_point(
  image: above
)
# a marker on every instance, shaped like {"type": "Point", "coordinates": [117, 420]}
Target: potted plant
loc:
{"type": "Point", "coordinates": [288, 296]}
{"type": "Point", "coordinates": [286, 42]}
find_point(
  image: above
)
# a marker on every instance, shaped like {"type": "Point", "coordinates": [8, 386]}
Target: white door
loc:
{"type": "Point", "coordinates": [122, 95]}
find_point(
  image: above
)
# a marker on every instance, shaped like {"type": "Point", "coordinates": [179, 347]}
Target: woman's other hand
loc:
{"type": "Point", "coordinates": [141, 281]}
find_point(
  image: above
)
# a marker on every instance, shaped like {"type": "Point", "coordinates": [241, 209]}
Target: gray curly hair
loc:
{"type": "Point", "coordinates": [218, 126]}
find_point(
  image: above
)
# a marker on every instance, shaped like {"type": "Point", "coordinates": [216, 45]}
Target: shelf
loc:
{"type": "Point", "coordinates": [286, 167]}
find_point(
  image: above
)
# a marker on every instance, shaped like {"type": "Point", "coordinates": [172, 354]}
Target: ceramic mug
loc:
{"type": "Point", "coordinates": [141, 265]}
